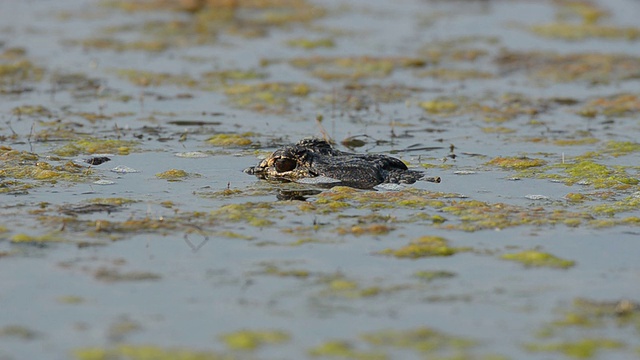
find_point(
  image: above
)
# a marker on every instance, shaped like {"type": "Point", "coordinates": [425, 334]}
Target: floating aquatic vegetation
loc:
{"type": "Point", "coordinates": [172, 174]}
{"type": "Point", "coordinates": [94, 145]}
{"type": "Point", "coordinates": [581, 349]}
{"type": "Point", "coordinates": [253, 339]}
{"type": "Point", "coordinates": [19, 332]}
{"type": "Point", "coordinates": [255, 214]}
{"type": "Point", "coordinates": [52, 237]}
{"type": "Point", "coordinates": [516, 163]}
{"type": "Point", "coordinates": [592, 67]}
{"type": "Point", "coordinates": [571, 31]}
{"type": "Point", "coordinates": [448, 74]}
{"type": "Point", "coordinates": [269, 97]}
{"type": "Point", "coordinates": [612, 106]}
{"type": "Point", "coordinates": [17, 72]}
{"type": "Point", "coordinates": [308, 44]}
{"type": "Point", "coordinates": [231, 139]}
{"type": "Point", "coordinates": [423, 247]}
{"type": "Point", "coordinates": [142, 352]}
{"type": "Point", "coordinates": [114, 275]}
{"type": "Point", "coordinates": [536, 258]}
{"type": "Point", "coordinates": [597, 175]}
{"type": "Point", "coordinates": [338, 285]}
{"type": "Point", "coordinates": [353, 68]}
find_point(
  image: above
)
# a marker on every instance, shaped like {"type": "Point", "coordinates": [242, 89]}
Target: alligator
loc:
{"type": "Point", "coordinates": [315, 161]}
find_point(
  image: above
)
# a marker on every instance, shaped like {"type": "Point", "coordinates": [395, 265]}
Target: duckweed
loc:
{"type": "Point", "coordinates": [534, 258]}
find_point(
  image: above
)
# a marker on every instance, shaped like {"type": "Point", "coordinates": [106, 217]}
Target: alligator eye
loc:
{"type": "Point", "coordinates": [285, 164]}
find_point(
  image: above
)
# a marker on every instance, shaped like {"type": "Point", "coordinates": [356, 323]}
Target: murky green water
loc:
{"type": "Point", "coordinates": [529, 111]}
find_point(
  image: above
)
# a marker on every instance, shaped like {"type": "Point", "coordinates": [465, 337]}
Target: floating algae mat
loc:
{"type": "Point", "coordinates": [128, 229]}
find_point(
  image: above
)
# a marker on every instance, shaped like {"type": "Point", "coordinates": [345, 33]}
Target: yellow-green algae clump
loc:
{"type": "Point", "coordinates": [93, 146]}
{"type": "Point", "coordinates": [230, 139]}
{"type": "Point", "coordinates": [599, 176]}
{"type": "Point", "coordinates": [534, 258]}
{"type": "Point", "coordinates": [517, 163]}
{"type": "Point", "coordinates": [253, 339]}
{"type": "Point", "coordinates": [172, 174]}
{"type": "Point", "coordinates": [144, 352]}
{"type": "Point", "coordinates": [422, 247]}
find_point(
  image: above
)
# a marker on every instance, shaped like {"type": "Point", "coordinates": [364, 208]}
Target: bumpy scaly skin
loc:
{"type": "Point", "coordinates": [313, 158]}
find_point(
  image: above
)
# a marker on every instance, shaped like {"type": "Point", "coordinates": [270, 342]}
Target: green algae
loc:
{"type": "Point", "coordinates": [94, 146]}
{"type": "Point", "coordinates": [581, 349]}
{"type": "Point", "coordinates": [113, 275]}
{"type": "Point", "coordinates": [19, 332]}
{"type": "Point", "coordinates": [534, 258]}
{"type": "Point", "coordinates": [254, 214]}
{"type": "Point", "coordinates": [172, 174]}
{"type": "Point", "coordinates": [620, 105]}
{"type": "Point", "coordinates": [571, 31]}
{"type": "Point", "coordinates": [621, 148]}
{"type": "Point", "coordinates": [421, 340]}
{"type": "Point", "coordinates": [516, 163]}
{"type": "Point", "coordinates": [597, 175]}
{"type": "Point", "coordinates": [344, 349]}
{"type": "Point", "coordinates": [597, 68]}
{"type": "Point", "coordinates": [145, 352]}
{"type": "Point", "coordinates": [455, 74]}
{"type": "Point", "coordinates": [433, 275]}
{"type": "Point", "coordinates": [424, 246]}
{"type": "Point", "coordinates": [269, 97]}
{"type": "Point", "coordinates": [354, 68]}
{"type": "Point", "coordinates": [230, 139]}
{"type": "Point", "coordinates": [253, 339]}
{"type": "Point", "coordinates": [372, 229]}
{"type": "Point", "coordinates": [51, 237]}
{"type": "Point", "coordinates": [309, 44]}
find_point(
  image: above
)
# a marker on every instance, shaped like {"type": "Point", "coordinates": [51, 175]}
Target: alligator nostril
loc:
{"type": "Point", "coordinates": [285, 164]}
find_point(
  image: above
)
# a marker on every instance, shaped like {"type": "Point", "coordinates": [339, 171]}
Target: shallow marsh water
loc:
{"type": "Point", "coordinates": [528, 110]}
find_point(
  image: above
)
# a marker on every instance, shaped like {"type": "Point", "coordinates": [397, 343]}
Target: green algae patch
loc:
{"type": "Point", "coordinates": [571, 31]}
{"type": "Point", "coordinates": [253, 339]}
{"type": "Point", "coordinates": [114, 275]}
{"type": "Point", "coordinates": [339, 286]}
{"type": "Point", "coordinates": [354, 68]}
{"type": "Point", "coordinates": [455, 74]}
{"type": "Point", "coordinates": [421, 340]}
{"type": "Point", "coordinates": [629, 203]}
{"type": "Point", "coordinates": [439, 106]}
{"type": "Point", "coordinates": [516, 163]}
{"type": "Point", "coordinates": [424, 246]}
{"type": "Point", "coordinates": [267, 97]}
{"type": "Point", "coordinates": [309, 44]}
{"type": "Point", "coordinates": [345, 350]}
{"type": "Point", "coordinates": [145, 352]}
{"type": "Point", "coordinates": [52, 237]}
{"type": "Point", "coordinates": [230, 140]}
{"type": "Point", "coordinates": [429, 276]}
{"type": "Point", "coordinates": [94, 146]}
{"type": "Point", "coordinates": [18, 332]}
{"type": "Point", "coordinates": [254, 214]}
{"type": "Point", "coordinates": [148, 78]}
{"type": "Point", "coordinates": [598, 175]}
{"type": "Point", "coordinates": [534, 258]}
{"type": "Point", "coordinates": [580, 349]}
{"type": "Point", "coordinates": [172, 174]}
{"type": "Point", "coordinates": [576, 142]}
{"type": "Point", "coordinates": [16, 72]}
{"type": "Point", "coordinates": [620, 148]}
{"type": "Point", "coordinates": [372, 229]}
{"type": "Point", "coordinates": [597, 68]}
{"type": "Point", "coordinates": [612, 106]}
